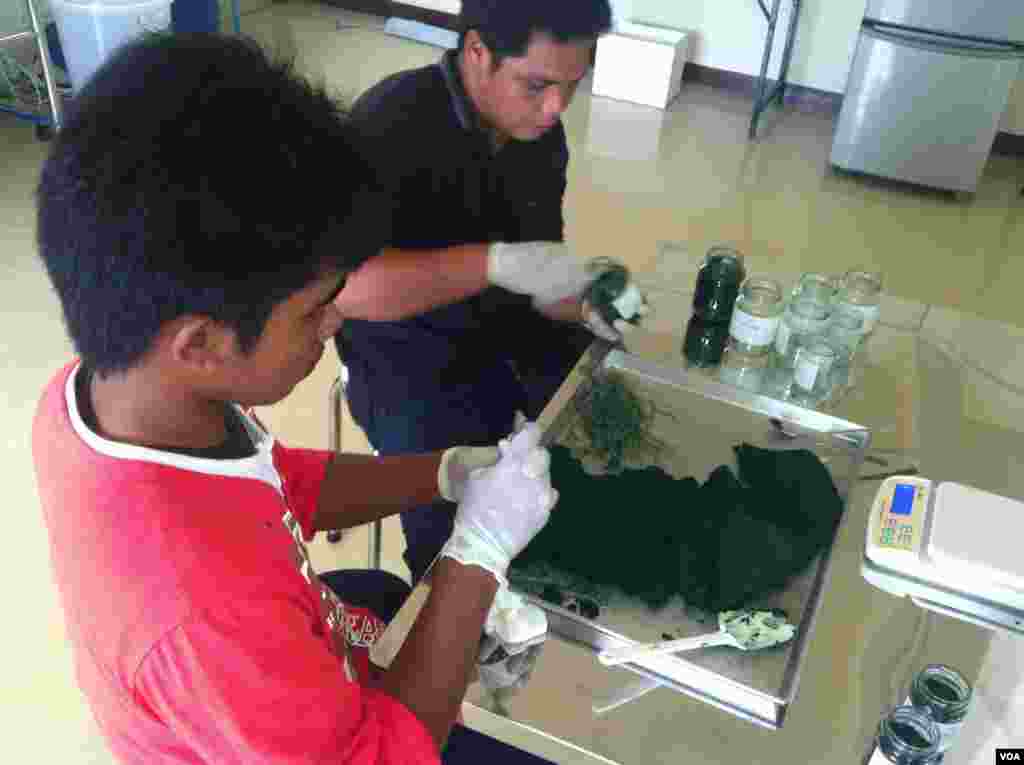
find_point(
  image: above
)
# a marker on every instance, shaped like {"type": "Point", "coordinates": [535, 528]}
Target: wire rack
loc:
{"type": "Point", "coordinates": [31, 91]}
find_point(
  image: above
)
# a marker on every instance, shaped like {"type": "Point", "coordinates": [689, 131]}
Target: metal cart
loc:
{"type": "Point", "coordinates": [46, 113]}
{"type": "Point", "coordinates": [763, 96]}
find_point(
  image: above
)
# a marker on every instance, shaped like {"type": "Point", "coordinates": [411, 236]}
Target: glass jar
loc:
{"type": "Point", "coordinates": [815, 286]}
{"type": "Point", "coordinates": [743, 370]}
{"type": "Point", "coordinates": [802, 316]}
{"type": "Point", "coordinates": [756, 317]}
{"type": "Point", "coordinates": [860, 292]}
{"type": "Point", "coordinates": [607, 291]}
{"type": "Point", "coordinates": [705, 342]}
{"type": "Point", "coordinates": [718, 284]}
{"type": "Point", "coordinates": [777, 382]}
{"type": "Point", "coordinates": [908, 736]}
{"type": "Point", "coordinates": [946, 695]}
{"type": "Point", "coordinates": [845, 332]}
{"type": "Point", "coordinates": [812, 371]}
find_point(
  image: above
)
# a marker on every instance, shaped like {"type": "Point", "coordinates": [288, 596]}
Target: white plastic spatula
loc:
{"type": "Point", "coordinates": [746, 630]}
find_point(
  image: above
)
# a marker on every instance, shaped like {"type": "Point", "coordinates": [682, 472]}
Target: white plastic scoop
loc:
{"type": "Point", "coordinates": [746, 630]}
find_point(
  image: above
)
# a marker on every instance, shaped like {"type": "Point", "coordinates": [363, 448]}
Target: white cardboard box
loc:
{"type": "Point", "coordinates": [640, 63]}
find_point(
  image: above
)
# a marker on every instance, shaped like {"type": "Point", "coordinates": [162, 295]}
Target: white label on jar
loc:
{"type": "Point", "coordinates": [869, 313]}
{"type": "Point", "coordinates": [782, 339]}
{"type": "Point", "coordinates": [806, 373]}
{"type": "Point", "coordinates": [753, 330]}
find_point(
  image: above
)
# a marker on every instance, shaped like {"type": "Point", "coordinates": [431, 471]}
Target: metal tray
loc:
{"type": "Point", "coordinates": [701, 420]}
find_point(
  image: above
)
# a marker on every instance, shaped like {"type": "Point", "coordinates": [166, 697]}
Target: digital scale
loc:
{"type": "Point", "coordinates": [950, 548]}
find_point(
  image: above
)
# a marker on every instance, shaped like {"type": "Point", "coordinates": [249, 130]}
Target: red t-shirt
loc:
{"type": "Point", "coordinates": [201, 633]}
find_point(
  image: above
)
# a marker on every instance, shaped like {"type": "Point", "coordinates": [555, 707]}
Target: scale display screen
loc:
{"type": "Point", "coordinates": [902, 499]}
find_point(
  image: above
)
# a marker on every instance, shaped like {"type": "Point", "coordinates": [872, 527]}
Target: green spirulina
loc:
{"type": "Point", "coordinates": [942, 690]}
{"type": "Point", "coordinates": [909, 735]}
{"type": "Point", "coordinates": [719, 545]}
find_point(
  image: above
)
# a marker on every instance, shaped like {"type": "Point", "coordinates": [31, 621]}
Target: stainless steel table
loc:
{"type": "Point", "coordinates": [817, 699]}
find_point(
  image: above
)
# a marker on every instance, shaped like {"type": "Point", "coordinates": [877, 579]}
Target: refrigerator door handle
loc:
{"type": "Point", "coordinates": [940, 43]}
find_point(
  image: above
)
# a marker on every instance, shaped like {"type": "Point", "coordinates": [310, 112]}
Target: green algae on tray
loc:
{"type": "Point", "coordinates": [721, 545]}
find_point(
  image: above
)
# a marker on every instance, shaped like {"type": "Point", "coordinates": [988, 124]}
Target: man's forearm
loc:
{"type": "Point", "coordinates": [361, 488]}
{"type": "Point", "coordinates": [400, 284]}
{"type": "Point", "coordinates": [431, 672]}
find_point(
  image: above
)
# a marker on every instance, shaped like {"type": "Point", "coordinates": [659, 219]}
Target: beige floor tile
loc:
{"type": "Point", "coordinates": [994, 365]}
{"type": "Point", "coordinates": [992, 345]}
{"type": "Point", "coordinates": [991, 401]}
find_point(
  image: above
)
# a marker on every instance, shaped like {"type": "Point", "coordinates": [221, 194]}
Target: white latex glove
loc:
{"type": "Point", "coordinates": [458, 464]}
{"type": "Point", "coordinates": [515, 622]}
{"type": "Point", "coordinates": [499, 671]}
{"type": "Point", "coordinates": [513, 635]}
{"type": "Point", "coordinates": [504, 506]}
{"type": "Point", "coordinates": [631, 305]}
{"type": "Point", "coordinates": [544, 270]}
{"type": "Point", "coordinates": [550, 273]}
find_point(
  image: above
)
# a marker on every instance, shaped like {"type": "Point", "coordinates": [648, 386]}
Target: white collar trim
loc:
{"type": "Point", "coordinates": [260, 466]}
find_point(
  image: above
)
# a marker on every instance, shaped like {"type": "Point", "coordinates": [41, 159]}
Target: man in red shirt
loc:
{"type": "Point", "coordinates": [196, 266]}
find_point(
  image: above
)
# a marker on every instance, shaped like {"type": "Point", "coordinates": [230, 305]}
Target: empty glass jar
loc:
{"type": "Point", "coordinates": [860, 292]}
{"type": "Point", "coordinates": [756, 317]}
{"type": "Point", "coordinates": [812, 371]}
{"type": "Point", "coordinates": [802, 317]}
{"type": "Point", "coordinates": [743, 370]}
{"type": "Point", "coordinates": [815, 286]}
{"type": "Point", "coordinates": [845, 332]}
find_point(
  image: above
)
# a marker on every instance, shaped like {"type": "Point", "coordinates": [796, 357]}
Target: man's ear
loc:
{"type": "Point", "coordinates": [476, 51]}
{"type": "Point", "coordinates": [201, 343]}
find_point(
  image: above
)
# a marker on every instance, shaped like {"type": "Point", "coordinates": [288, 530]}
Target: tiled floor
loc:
{"type": "Point", "coordinates": [639, 177]}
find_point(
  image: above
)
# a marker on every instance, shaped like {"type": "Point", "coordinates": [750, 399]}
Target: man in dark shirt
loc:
{"type": "Point", "coordinates": [475, 309]}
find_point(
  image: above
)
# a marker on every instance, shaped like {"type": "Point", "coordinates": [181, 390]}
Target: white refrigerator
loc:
{"type": "Point", "coordinates": [929, 82]}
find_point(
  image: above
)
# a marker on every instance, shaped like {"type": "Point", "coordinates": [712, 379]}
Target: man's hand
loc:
{"type": "Point", "coordinates": [504, 506]}
{"type": "Point", "coordinates": [514, 633]}
{"type": "Point", "coordinates": [560, 282]}
{"type": "Point", "coordinates": [577, 310]}
{"type": "Point", "coordinates": [546, 271]}
{"type": "Point", "coordinates": [458, 464]}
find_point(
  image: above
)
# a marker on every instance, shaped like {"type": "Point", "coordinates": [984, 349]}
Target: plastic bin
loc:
{"type": "Point", "coordinates": [195, 16]}
{"type": "Point", "coordinates": [91, 31]}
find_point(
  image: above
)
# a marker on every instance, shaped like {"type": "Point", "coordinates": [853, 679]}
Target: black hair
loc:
{"type": "Point", "coordinates": [507, 26]}
{"type": "Point", "coordinates": [194, 175]}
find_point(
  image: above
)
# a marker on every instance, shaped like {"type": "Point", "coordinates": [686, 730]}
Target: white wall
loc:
{"type": "Point", "coordinates": [621, 8]}
{"type": "Point", "coordinates": [730, 36]}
